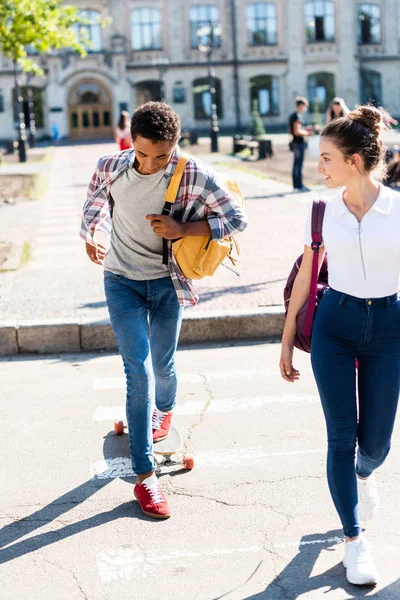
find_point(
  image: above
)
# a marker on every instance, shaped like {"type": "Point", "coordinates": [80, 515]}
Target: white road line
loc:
{"type": "Point", "coordinates": [333, 540]}
{"type": "Point", "coordinates": [223, 405]}
{"type": "Point", "coordinates": [108, 383]}
{"type": "Point", "coordinates": [111, 468]}
{"type": "Point", "coordinates": [223, 458]}
{"type": "Point", "coordinates": [121, 563]}
{"type": "Point", "coordinates": [241, 456]}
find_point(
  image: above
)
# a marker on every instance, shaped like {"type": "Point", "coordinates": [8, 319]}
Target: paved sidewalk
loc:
{"type": "Point", "coordinates": [60, 285]}
{"type": "Point", "coordinates": [252, 521]}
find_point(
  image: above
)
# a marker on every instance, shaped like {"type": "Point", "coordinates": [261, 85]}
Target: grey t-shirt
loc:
{"type": "Point", "coordinates": [135, 251]}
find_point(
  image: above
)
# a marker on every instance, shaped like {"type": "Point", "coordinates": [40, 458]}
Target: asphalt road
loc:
{"type": "Point", "coordinates": [252, 521]}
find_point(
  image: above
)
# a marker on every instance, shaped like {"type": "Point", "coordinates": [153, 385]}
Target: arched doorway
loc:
{"type": "Point", "coordinates": [90, 111]}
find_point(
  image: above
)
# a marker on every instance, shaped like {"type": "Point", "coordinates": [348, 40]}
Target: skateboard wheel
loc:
{"type": "Point", "coordinates": [119, 427]}
{"type": "Point", "coordinates": [188, 462]}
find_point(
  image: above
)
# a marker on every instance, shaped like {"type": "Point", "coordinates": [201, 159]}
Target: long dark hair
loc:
{"type": "Point", "coordinates": [359, 132]}
{"type": "Point", "coordinates": [121, 122]}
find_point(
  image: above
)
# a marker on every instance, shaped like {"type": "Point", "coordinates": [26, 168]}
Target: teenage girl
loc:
{"type": "Point", "coordinates": [358, 319]}
{"type": "Point", "coordinates": [337, 108]}
{"type": "Point", "coordinates": [122, 131]}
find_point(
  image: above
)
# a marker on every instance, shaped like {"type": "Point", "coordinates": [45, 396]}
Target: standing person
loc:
{"type": "Point", "coordinates": [145, 297]}
{"type": "Point", "coordinates": [357, 318]}
{"type": "Point", "coordinates": [337, 108]}
{"type": "Point", "coordinates": [298, 143]}
{"type": "Point", "coordinates": [122, 131]}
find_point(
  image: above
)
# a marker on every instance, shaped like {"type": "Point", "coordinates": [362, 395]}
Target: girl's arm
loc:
{"type": "Point", "coordinates": [300, 293]}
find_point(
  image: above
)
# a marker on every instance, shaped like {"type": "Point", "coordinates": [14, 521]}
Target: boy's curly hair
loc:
{"type": "Point", "coordinates": [156, 121]}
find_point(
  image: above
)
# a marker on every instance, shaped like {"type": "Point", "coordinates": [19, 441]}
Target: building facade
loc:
{"type": "Point", "coordinates": [265, 54]}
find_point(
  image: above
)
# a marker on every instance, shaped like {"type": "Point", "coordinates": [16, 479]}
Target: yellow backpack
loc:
{"type": "Point", "coordinates": [200, 256]}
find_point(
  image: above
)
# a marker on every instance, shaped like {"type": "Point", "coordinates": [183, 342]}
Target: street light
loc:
{"type": "Point", "coordinates": [206, 36]}
{"type": "Point", "coordinates": [31, 108]}
{"type": "Point", "coordinates": [21, 116]}
{"type": "Point", "coordinates": [161, 65]}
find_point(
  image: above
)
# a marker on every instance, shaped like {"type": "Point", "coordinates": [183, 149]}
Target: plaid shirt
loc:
{"type": "Point", "coordinates": [200, 197]}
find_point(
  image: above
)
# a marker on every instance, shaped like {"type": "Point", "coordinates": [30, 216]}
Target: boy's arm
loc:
{"type": "Point", "coordinates": [225, 215]}
{"type": "Point", "coordinates": [95, 212]}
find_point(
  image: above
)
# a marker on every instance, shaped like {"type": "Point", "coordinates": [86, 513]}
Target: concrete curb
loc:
{"type": "Point", "coordinates": [49, 336]}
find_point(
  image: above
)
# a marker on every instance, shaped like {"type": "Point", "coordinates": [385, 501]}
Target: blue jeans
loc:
{"type": "Point", "coordinates": [298, 159]}
{"type": "Point", "coordinates": [348, 328]}
{"type": "Point", "coordinates": [146, 319]}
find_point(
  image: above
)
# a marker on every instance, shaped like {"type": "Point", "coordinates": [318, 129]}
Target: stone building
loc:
{"type": "Point", "coordinates": [267, 53]}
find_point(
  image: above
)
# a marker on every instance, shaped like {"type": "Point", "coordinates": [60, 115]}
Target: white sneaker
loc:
{"type": "Point", "coordinates": [360, 568]}
{"type": "Point", "coordinates": [368, 499]}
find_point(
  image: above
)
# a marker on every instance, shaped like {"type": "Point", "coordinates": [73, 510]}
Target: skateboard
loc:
{"type": "Point", "coordinates": [167, 452]}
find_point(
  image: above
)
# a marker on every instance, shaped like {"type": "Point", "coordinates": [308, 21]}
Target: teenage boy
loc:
{"type": "Point", "coordinates": [146, 298]}
{"type": "Point", "coordinates": [299, 145]}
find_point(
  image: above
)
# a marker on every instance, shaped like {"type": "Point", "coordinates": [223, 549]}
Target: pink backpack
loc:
{"type": "Point", "coordinates": [319, 283]}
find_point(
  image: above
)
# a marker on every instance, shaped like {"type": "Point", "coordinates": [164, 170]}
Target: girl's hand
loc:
{"type": "Point", "coordinates": [288, 372]}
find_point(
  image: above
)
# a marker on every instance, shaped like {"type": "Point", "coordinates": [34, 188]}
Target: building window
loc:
{"type": "Point", "coordinates": [148, 91]}
{"type": "Point", "coordinates": [369, 24]}
{"type": "Point", "coordinates": [202, 15]}
{"type": "Point", "coordinates": [371, 88]}
{"type": "Point", "coordinates": [319, 21]}
{"type": "Point", "coordinates": [202, 98]}
{"type": "Point", "coordinates": [90, 32]}
{"type": "Point", "coordinates": [146, 29]}
{"type": "Point", "coordinates": [264, 95]}
{"type": "Point", "coordinates": [179, 93]}
{"type": "Point", "coordinates": [261, 24]}
{"type": "Point", "coordinates": [320, 91]}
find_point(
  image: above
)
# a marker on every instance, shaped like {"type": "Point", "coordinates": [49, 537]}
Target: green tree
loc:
{"type": "Point", "coordinates": [42, 26]}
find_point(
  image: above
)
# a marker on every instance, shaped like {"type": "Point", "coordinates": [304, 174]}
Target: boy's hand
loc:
{"type": "Point", "coordinates": [165, 227]}
{"type": "Point", "coordinates": [96, 253]}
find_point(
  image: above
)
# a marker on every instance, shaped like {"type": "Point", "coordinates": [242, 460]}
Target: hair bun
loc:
{"type": "Point", "coordinates": [370, 117]}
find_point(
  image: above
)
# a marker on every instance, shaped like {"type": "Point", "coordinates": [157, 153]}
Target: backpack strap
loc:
{"type": "Point", "coordinates": [171, 194]}
{"type": "Point", "coordinates": [317, 219]}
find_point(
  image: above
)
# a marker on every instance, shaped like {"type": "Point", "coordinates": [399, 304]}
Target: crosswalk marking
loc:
{"type": "Point", "coordinates": [122, 466]}
{"type": "Point", "coordinates": [109, 383]}
{"type": "Point", "coordinates": [120, 563]}
{"type": "Point", "coordinates": [222, 405]}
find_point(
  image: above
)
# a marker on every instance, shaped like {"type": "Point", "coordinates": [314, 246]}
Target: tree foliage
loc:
{"type": "Point", "coordinates": [41, 26]}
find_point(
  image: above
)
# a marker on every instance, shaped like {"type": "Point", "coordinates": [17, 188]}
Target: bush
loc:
{"type": "Point", "coordinates": [256, 125]}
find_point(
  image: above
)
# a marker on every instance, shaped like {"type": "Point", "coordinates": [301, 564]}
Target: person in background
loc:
{"type": "Point", "coordinates": [55, 132]}
{"type": "Point", "coordinates": [298, 144]}
{"type": "Point", "coordinates": [337, 108]}
{"type": "Point", "coordinates": [122, 133]}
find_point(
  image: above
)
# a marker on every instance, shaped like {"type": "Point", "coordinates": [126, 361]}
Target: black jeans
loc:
{"type": "Point", "coordinates": [298, 154]}
{"type": "Point", "coordinates": [348, 328]}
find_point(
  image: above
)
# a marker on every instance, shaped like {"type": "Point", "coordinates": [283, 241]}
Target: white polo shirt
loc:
{"type": "Point", "coordinates": [363, 258]}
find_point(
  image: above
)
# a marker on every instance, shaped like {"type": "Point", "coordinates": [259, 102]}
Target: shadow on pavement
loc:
{"type": "Point", "coordinates": [296, 579]}
{"type": "Point", "coordinates": [206, 296]}
{"type": "Point", "coordinates": [99, 304]}
{"type": "Point", "coordinates": [114, 447]}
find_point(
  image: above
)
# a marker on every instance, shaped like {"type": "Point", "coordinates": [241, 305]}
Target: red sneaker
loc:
{"type": "Point", "coordinates": [151, 499]}
{"type": "Point", "coordinates": [161, 424]}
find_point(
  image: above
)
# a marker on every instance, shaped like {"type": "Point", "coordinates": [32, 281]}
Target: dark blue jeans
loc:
{"type": "Point", "coordinates": [146, 319]}
{"type": "Point", "coordinates": [298, 159]}
{"type": "Point", "coordinates": [348, 328]}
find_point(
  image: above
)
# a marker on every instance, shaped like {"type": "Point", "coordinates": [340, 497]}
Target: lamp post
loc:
{"type": "Point", "coordinates": [21, 117]}
{"type": "Point", "coordinates": [161, 65]}
{"type": "Point", "coordinates": [206, 37]}
{"type": "Point", "coordinates": [31, 113]}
